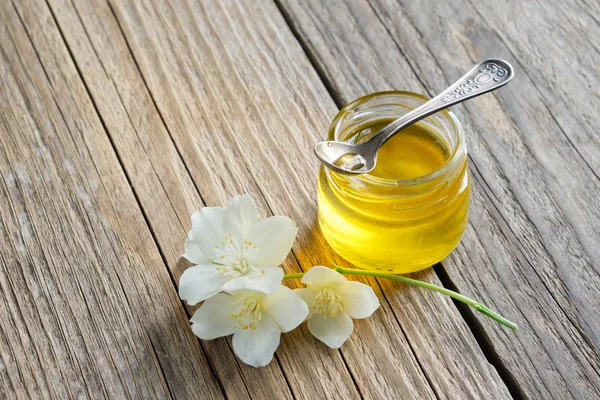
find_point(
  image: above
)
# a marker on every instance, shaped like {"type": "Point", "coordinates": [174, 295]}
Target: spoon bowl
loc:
{"type": "Point", "coordinates": [347, 158]}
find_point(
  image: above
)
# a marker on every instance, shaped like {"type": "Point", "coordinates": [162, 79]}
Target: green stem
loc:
{"type": "Point", "coordinates": [294, 276]}
{"type": "Point", "coordinates": [457, 296]}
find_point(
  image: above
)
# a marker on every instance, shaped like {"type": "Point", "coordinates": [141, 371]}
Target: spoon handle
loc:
{"type": "Point", "coordinates": [484, 77]}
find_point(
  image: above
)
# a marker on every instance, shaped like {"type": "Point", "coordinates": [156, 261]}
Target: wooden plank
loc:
{"type": "Point", "coordinates": [531, 250]}
{"type": "Point", "coordinates": [237, 94]}
{"type": "Point", "coordinates": [87, 308]}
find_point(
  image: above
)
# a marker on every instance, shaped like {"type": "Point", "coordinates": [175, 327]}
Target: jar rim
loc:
{"type": "Point", "coordinates": [452, 159]}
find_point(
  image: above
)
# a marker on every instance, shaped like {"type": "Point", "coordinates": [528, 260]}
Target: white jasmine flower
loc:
{"type": "Point", "coordinates": [233, 249]}
{"type": "Point", "coordinates": [255, 319]}
{"type": "Point", "coordinates": [332, 302]}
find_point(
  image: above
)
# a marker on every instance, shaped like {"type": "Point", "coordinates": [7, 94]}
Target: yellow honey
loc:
{"type": "Point", "coordinates": [411, 210]}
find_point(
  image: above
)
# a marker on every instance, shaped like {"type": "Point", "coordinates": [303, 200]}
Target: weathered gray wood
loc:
{"type": "Point", "coordinates": [531, 251]}
{"type": "Point", "coordinates": [87, 308]}
{"type": "Point", "coordinates": [225, 84]}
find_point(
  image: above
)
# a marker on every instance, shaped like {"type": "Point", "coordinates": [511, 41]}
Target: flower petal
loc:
{"type": "Point", "coordinates": [268, 282]}
{"type": "Point", "coordinates": [319, 276]}
{"type": "Point", "coordinates": [285, 308]}
{"type": "Point", "coordinates": [193, 253]}
{"type": "Point", "coordinates": [212, 320]}
{"type": "Point", "coordinates": [333, 331]}
{"type": "Point", "coordinates": [241, 216]}
{"type": "Point", "coordinates": [308, 295]}
{"type": "Point", "coordinates": [207, 221]}
{"type": "Point", "coordinates": [359, 300]}
{"type": "Point", "coordinates": [273, 238]}
{"type": "Point", "coordinates": [200, 282]}
{"type": "Point", "coordinates": [207, 229]}
{"type": "Point", "coordinates": [256, 347]}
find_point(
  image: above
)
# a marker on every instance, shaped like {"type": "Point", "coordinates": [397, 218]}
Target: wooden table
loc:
{"type": "Point", "coordinates": [119, 119]}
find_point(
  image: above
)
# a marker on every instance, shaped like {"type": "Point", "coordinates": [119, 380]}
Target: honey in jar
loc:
{"type": "Point", "coordinates": [411, 210]}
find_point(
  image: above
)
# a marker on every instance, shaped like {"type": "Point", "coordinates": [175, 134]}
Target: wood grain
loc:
{"type": "Point", "coordinates": [531, 250]}
{"type": "Point", "coordinates": [88, 309]}
{"type": "Point", "coordinates": [118, 119]}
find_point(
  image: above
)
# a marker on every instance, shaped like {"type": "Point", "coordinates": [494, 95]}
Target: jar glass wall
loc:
{"type": "Point", "coordinates": [386, 220]}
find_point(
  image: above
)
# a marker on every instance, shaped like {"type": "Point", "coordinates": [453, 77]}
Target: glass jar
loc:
{"type": "Point", "coordinates": [402, 225]}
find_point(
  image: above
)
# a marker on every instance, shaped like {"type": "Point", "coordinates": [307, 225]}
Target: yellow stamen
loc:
{"type": "Point", "coordinates": [327, 302]}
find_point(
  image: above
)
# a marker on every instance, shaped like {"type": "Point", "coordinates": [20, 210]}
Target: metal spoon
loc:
{"type": "Point", "coordinates": [348, 158]}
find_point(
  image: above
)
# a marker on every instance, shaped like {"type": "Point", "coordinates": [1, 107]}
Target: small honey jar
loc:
{"type": "Point", "coordinates": [411, 210]}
